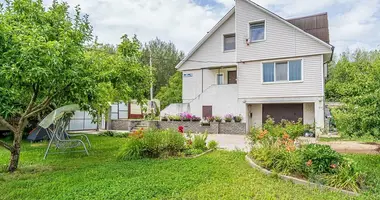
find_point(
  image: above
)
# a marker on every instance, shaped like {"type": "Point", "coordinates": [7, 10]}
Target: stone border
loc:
{"type": "Point", "coordinates": [296, 180]}
{"type": "Point", "coordinates": [202, 154]}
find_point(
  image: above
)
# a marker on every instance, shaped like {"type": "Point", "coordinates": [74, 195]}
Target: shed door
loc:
{"type": "Point", "coordinates": [232, 76]}
{"type": "Point", "coordinates": [290, 112]}
{"type": "Point", "coordinates": [207, 111]}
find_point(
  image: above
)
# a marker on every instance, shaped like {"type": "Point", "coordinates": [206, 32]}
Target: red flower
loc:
{"type": "Point", "coordinates": [180, 129]}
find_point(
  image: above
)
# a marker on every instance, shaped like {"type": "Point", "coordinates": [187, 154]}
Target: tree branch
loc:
{"type": "Point", "coordinates": [7, 125]}
{"type": "Point", "coordinates": [6, 146]}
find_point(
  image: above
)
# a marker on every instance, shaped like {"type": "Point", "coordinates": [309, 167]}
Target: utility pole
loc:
{"type": "Point", "coordinates": [151, 75]}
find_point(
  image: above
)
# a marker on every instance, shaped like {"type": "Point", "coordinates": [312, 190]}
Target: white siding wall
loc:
{"type": "Point", "coordinates": [191, 86]}
{"type": "Point", "coordinates": [281, 41]}
{"type": "Point", "coordinates": [212, 49]}
{"type": "Point", "coordinates": [222, 98]}
{"type": "Point", "coordinates": [251, 86]}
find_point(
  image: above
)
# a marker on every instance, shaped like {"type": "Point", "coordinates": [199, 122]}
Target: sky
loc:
{"type": "Point", "coordinates": [353, 23]}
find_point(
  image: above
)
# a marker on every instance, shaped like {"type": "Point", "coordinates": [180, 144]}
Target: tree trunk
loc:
{"type": "Point", "coordinates": [15, 153]}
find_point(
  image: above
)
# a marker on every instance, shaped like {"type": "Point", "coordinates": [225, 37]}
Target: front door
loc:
{"type": "Point", "coordinates": [207, 111]}
{"type": "Point", "coordinates": [232, 76]}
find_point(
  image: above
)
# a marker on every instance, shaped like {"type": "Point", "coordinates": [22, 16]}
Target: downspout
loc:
{"type": "Point", "coordinates": [202, 80]}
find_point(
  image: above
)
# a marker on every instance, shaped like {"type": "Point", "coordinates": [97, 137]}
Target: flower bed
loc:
{"type": "Point", "coordinates": [274, 148]}
{"type": "Point", "coordinates": [163, 144]}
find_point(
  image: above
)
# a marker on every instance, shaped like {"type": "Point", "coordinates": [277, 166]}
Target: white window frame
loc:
{"type": "Point", "coordinates": [249, 30]}
{"type": "Point", "coordinates": [282, 61]}
{"type": "Point", "coordinates": [216, 78]}
{"type": "Point", "coordinates": [223, 36]}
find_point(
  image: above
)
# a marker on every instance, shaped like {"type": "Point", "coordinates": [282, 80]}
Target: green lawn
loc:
{"type": "Point", "coordinates": [219, 175]}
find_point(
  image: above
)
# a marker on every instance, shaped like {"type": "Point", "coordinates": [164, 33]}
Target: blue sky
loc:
{"type": "Point", "coordinates": [353, 24]}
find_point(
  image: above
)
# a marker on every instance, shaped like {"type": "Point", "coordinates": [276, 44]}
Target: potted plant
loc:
{"type": "Point", "coordinates": [195, 118]}
{"type": "Point", "coordinates": [218, 119]}
{"type": "Point", "coordinates": [176, 118]}
{"type": "Point", "coordinates": [185, 116]}
{"type": "Point", "coordinates": [211, 119]}
{"type": "Point", "coordinates": [205, 122]}
{"type": "Point", "coordinates": [164, 118]}
{"type": "Point", "coordinates": [228, 118]}
{"type": "Point", "coordinates": [238, 118]}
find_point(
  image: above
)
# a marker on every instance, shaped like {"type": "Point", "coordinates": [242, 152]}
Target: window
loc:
{"type": "Point", "coordinates": [219, 79]}
{"type": "Point", "coordinates": [282, 71]}
{"type": "Point", "coordinates": [229, 42]}
{"type": "Point", "coordinates": [257, 31]}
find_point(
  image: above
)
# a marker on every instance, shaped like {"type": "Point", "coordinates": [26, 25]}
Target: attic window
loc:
{"type": "Point", "coordinates": [229, 42]}
{"type": "Point", "coordinates": [257, 31]}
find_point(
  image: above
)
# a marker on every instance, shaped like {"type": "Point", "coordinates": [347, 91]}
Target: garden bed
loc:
{"type": "Point", "coordinates": [295, 180]}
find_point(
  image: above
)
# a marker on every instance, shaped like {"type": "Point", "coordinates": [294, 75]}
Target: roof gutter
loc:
{"type": "Point", "coordinates": [332, 54]}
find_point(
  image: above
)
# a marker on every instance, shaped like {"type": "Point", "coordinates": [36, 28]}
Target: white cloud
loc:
{"type": "Point", "coordinates": [352, 23]}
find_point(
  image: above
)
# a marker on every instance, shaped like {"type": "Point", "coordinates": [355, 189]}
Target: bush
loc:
{"type": "Point", "coordinates": [275, 150]}
{"type": "Point", "coordinates": [199, 142]}
{"type": "Point", "coordinates": [133, 149]}
{"type": "Point", "coordinates": [319, 159]}
{"type": "Point", "coordinates": [190, 152]}
{"type": "Point", "coordinates": [212, 145]}
{"type": "Point", "coordinates": [153, 144]}
{"type": "Point", "coordinates": [114, 134]}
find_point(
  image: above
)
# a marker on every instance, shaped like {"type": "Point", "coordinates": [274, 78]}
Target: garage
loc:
{"type": "Point", "coordinates": [291, 112]}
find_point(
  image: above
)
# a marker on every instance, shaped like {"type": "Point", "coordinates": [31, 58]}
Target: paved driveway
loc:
{"type": "Point", "coordinates": [230, 142]}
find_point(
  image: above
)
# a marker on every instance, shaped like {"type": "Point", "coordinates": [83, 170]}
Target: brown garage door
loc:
{"type": "Point", "coordinates": [290, 112]}
{"type": "Point", "coordinates": [207, 111]}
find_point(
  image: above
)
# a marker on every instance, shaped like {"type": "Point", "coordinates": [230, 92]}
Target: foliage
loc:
{"type": "Point", "coordinates": [218, 119]}
{"type": "Point", "coordinates": [272, 131]}
{"type": "Point", "coordinates": [172, 92]}
{"type": "Point", "coordinates": [199, 141]}
{"type": "Point", "coordinates": [212, 145]}
{"type": "Point", "coordinates": [192, 152]}
{"type": "Point", "coordinates": [78, 176]}
{"type": "Point", "coordinates": [153, 144]}
{"type": "Point", "coordinates": [354, 82]}
{"type": "Point", "coordinates": [42, 62]}
{"type": "Point", "coordinates": [238, 118]}
{"type": "Point", "coordinates": [228, 118]}
{"type": "Point", "coordinates": [165, 56]}
{"type": "Point", "coordinates": [322, 158]}
{"type": "Point", "coordinates": [318, 163]}
{"type": "Point", "coordinates": [114, 134]}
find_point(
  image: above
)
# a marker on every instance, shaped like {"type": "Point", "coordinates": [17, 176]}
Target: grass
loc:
{"type": "Point", "coordinates": [218, 175]}
{"type": "Point", "coordinates": [355, 139]}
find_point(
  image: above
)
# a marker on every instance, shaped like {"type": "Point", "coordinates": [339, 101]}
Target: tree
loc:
{"type": "Point", "coordinates": [119, 74]}
{"type": "Point", "coordinates": [41, 59]}
{"type": "Point", "coordinates": [355, 82]}
{"type": "Point", "coordinates": [44, 60]}
{"type": "Point", "coordinates": [172, 93]}
{"type": "Point", "coordinates": [165, 56]}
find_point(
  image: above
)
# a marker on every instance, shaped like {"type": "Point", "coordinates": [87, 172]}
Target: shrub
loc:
{"type": "Point", "coordinates": [238, 118]}
{"type": "Point", "coordinates": [164, 118]}
{"type": "Point", "coordinates": [152, 144]}
{"type": "Point", "coordinates": [114, 134]}
{"type": "Point", "coordinates": [133, 149]}
{"type": "Point", "coordinates": [228, 118]}
{"type": "Point", "coordinates": [318, 159]}
{"type": "Point", "coordinates": [212, 145]}
{"type": "Point", "coordinates": [199, 141]}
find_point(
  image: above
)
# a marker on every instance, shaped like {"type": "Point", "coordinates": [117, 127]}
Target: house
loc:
{"type": "Point", "coordinates": [256, 63]}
